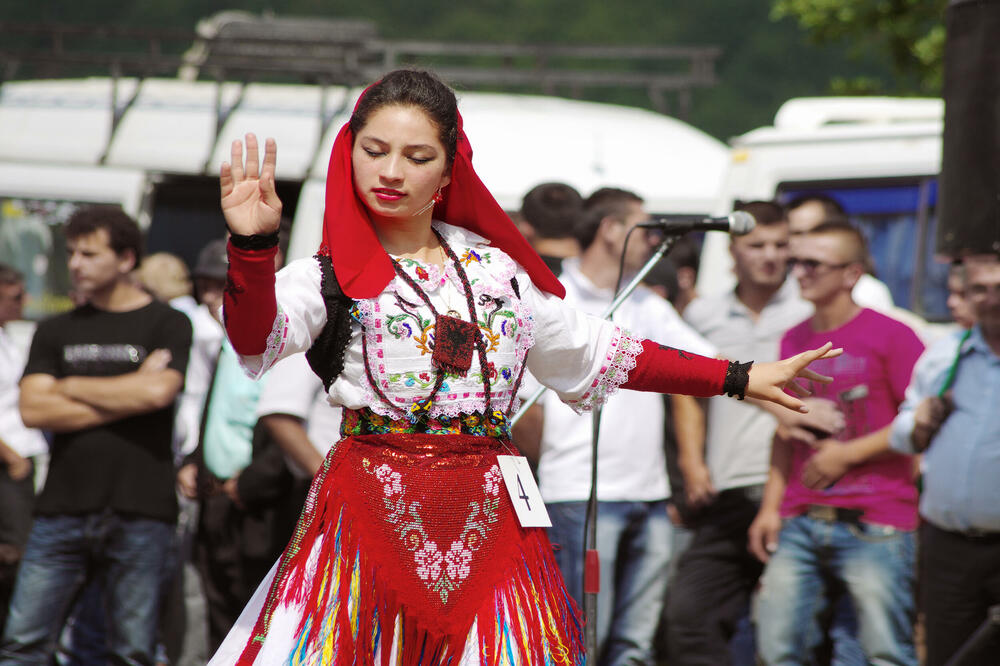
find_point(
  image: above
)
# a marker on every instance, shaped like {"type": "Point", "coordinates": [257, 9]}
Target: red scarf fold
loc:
{"type": "Point", "coordinates": [363, 267]}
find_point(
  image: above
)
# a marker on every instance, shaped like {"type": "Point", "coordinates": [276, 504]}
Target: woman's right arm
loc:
{"type": "Point", "coordinates": [260, 329]}
{"type": "Point", "coordinates": [252, 210]}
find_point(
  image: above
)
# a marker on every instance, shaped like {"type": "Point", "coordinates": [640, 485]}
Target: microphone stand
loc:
{"type": "Point", "coordinates": [591, 572]}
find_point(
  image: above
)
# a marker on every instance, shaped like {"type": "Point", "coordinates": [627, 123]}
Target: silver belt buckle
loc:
{"type": "Point", "coordinates": [827, 514]}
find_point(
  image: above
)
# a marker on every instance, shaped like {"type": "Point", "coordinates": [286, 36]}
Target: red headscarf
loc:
{"type": "Point", "coordinates": [362, 265]}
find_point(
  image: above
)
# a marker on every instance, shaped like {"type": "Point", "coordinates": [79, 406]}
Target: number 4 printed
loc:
{"type": "Point", "coordinates": [523, 495]}
{"type": "Point", "coordinates": [523, 491]}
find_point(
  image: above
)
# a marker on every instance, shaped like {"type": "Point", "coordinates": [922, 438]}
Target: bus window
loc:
{"type": "Point", "coordinates": [31, 240]}
{"type": "Point", "coordinates": [186, 215]}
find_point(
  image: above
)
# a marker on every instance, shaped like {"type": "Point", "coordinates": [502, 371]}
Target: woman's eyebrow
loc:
{"type": "Point", "coordinates": [414, 146]}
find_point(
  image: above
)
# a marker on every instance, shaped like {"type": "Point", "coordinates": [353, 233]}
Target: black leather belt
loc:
{"type": "Point", "coordinates": [975, 534]}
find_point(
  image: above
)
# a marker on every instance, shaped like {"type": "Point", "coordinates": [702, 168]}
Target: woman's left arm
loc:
{"type": "Point", "coordinates": [586, 359]}
{"type": "Point", "coordinates": [664, 369]}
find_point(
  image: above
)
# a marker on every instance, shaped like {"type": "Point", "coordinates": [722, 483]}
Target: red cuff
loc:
{"type": "Point", "coordinates": [249, 306]}
{"type": "Point", "coordinates": [661, 369]}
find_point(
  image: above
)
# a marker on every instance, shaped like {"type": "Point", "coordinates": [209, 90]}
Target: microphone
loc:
{"type": "Point", "coordinates": [737, 223]}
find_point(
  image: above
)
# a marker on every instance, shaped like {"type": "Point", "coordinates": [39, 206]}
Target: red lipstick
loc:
{"type": "Point", "coordinates": [387, 194]}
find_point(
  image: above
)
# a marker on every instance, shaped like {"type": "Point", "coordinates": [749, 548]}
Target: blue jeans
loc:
{"type": "Point", "coordinates": [127, 555]}
{"type": "Point", "coordinates": [633, 540]}
{"type": "Point", "coordinates": [874, 564]}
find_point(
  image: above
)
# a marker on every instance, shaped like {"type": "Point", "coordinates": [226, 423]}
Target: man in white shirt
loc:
{"type": "Point", "coordinates": [632, 488]}
{"type": "Point", "coordinates": [209, 277]}
{"type": "Point", "coordinates": [295, 427]}
{"type": "Point", "coordinates": [18, 445]}
{"type": "Point", "coordinates": [293, 406]}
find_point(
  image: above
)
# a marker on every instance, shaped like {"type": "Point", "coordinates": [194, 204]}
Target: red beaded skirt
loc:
{"type": "Point", "coordinates": [408, 552]}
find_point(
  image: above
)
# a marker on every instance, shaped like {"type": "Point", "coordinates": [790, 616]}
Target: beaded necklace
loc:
{"type": "Point", "coordinates": [453, 340]}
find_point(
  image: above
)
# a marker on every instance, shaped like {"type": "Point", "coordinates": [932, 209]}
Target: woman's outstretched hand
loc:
{"type": "Point", "coordinates": [250, 202]}
{"type": "Point", "coordinates": [768, 380]}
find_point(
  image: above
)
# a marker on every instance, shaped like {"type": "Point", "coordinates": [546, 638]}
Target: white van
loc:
{"type": "Point", "coordinates": [153, 146]}
{"type": "Point", "coordinates": [879, 157]}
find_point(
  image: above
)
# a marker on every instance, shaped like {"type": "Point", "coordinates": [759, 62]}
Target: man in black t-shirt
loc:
{"type": "Point", "coordinates": [102, 378]}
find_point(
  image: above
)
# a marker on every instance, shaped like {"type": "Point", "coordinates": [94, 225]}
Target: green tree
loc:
{"type": "Point", "coordinates": [910, 32]}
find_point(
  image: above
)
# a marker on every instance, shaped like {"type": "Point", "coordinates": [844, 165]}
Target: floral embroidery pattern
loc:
{"type": "Point", "coordinates": [428, 561]}
{"type": "Point", "coordinates": [391, 479]}
{"type": "Point", "coordinates": [441, 572]}
{"type": "Point", "coordinates": [423, 380]}
{"type": "Point", "coordinates": [458, 559]}
{"type": "Point", "coordinates": [430, 273]}
{"type": "Point", "coordinates": [410, 324]}
{"type": "Point", "coordinates": [398, 365]}
{"type": "Point", "coordinates": [493, 479]}
{"type": "Point", "coordinates": [399, 333]}
{"type": "Point", "coordinates": [492, 309]}
{"type": "Point", "coordinates": [470, 256]}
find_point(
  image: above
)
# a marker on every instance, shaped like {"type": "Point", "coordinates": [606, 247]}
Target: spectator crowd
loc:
{"type": "Point", "coordinates": [147, 484]}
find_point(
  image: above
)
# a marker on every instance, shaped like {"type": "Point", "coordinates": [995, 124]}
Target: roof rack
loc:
{"type": "Point", "coordinates": [238, 46]}
{"type": "Point", "coordinates": [815, 112]}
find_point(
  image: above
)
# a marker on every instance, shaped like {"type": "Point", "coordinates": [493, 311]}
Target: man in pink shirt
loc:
{"type": "Point", "coordinates": [841, 512]}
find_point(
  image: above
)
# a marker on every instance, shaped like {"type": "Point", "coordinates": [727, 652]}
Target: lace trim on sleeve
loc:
{"type": "Point", "coordinates": [256, 366]}
{"type": "Point", "coordinates": [619, 361]}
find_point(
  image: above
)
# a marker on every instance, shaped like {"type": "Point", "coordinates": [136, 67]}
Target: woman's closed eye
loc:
{"type": "Point", "coordinates": [374, 152]}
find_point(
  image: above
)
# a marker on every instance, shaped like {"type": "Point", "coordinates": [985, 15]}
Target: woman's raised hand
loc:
{"type": "Point", "coordinates": [768, 381]}
{"type": "Point", "coordinates": [250, 202]}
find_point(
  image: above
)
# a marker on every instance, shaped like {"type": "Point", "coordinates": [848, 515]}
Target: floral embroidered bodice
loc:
{"type": "Point", "coordinates": [400, 332]}
{"type": "Point", "coordinates": [582, 358]}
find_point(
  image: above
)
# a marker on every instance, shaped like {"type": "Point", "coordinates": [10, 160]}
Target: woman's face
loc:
{"type": "Point", "coordinates": [399, 163]}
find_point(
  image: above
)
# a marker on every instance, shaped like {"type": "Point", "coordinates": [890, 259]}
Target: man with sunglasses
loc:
{"type": "Point", "coordinates": [841, 511]}
{"type": "Point", "coordinates": [951, 413]}
{"type": "Point", "coordinates": [808, 211]}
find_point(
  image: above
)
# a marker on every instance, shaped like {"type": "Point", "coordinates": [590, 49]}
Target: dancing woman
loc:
{"type": "Point", "coordinates": [421, 311]}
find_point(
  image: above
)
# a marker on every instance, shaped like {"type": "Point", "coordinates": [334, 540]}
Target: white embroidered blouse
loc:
{"type": "Point", "coordinates": [582, 358]}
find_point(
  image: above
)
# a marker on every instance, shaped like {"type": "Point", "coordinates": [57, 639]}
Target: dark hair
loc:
{"type": "Point", "coordinates": [10, 275]}
{"type": "Point", "coordinates": [552, 209]}
{"type": "Point", "coordinates": [123, 232]}
{"type": "Point", "coordinates": [831, 207]}
{"type": "Point", "coordinates": [605, 202]}
{"type": "Point", "coordinates": [417, 88]}
{"type": "Point", "coordinates": [686, 253]}
{"type": "Point", "coordinates": [846, 230]}
{"type": "Point", "coordinates": [956, 268]}
{"type": "Point", "coordinates": [663, 274]}
{"type": "Point", "coordinates": [284, 235]}
{"type": "Point", "coordinates": [764, 213]}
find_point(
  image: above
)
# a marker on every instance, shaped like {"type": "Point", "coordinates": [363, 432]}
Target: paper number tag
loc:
{"type": "Point", "coordinates": [523, 491]}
